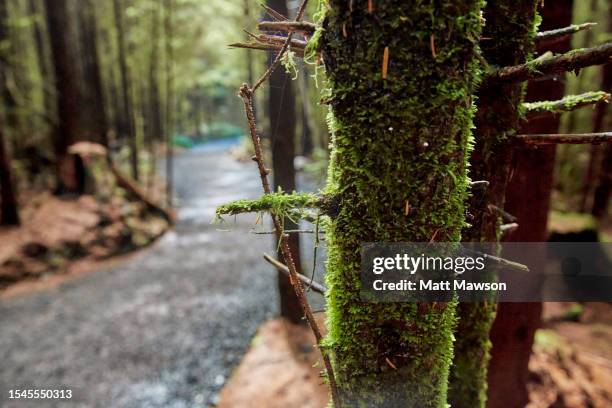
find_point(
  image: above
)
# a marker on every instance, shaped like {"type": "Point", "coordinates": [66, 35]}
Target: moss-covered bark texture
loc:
{"type": "Point", "coordinates": [399, 168]}
{"type": "Point", "coordinates": [510, 31]}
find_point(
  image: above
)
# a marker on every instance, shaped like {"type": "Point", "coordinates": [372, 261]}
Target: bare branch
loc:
{"type": "Point", "coordinates": [317, 287]}
{"type": "Point", "coordinates": [508, 227]}
{"type": "Point", "coordinates": [479, 184]}
{"type": "Point", "coordinates": [567, 104]}
{"type": "Point", "coordinates": [268, 47]}
{"type": "Point", "coordinates": [281, 52]}
{"type": "Point", "coordinates": [570, 61]}
{"type": "Point", "coordinates": [246, 94]}
{"type": "Point", "coordinates": [548, 38]}
{"type": "Point", "coordinates": [273, 13]}
{"type": "Point", "coordinates": [294, 26]}
{"type": "Point", "coordinates": [506, 216]}
{"type": "Point", "coordinates": [578, 138]}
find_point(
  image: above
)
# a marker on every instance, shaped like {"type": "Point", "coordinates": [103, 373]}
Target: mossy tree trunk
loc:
{"type": "Point", "coordinates": [528, 199]}
{"type": "Point", "coordinates": [510, 29]}
{"type": "Point", "coordinates": [396, 140]}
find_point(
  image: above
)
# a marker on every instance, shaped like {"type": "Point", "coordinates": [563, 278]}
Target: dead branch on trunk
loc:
{"type": "Point", "coordinates": [570, 61]}
{"type": "Point", "coordinates": [576, 138]}
{"type": "Point", "coordinates": [508, 227]}
{"type": "Point", "coordinates": [281, 204]}
{"type": "Point", "coordinates": [268, 47]}
{"type": "Point", "coordinates": [567, 104]}
{"type": "Point", "coordinates": [303, 27]}
{"type": "Point", "coordinates": [246, 94]}
{"type": "Point", "coordinates": [316, 286]}
{"type": "Point", "coordinates": [273, 13]}
{"type": "Point", "coordinates": [506, 216]}
{"type": "Point", "coordinates": [551, 37]}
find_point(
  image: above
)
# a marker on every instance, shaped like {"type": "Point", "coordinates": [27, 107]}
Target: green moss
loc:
{"type": "Point", "coordinates": [402, 139]}
{"type": "Point", "coordinates": [274, 203]}
{"type": "Point", "coordinates": [566, 104]}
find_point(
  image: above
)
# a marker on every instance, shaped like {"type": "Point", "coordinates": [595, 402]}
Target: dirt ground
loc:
{"type": "Point", "coordinates": [571, 365]}
{"type": "Point", "coordinates": [64, 236]}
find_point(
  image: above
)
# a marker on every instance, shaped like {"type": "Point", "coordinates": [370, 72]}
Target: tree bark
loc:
{"type": "Point", "coordinates": [168, 36]}
{"type": "Point", "coordinates": [43, 63]}
{"type": "Point", "coordinates": [527, 198]}
{"type": "Point", "coordinates": [96, 121]}
{"type": "Point", "coordinates": [125, 87]}
{"type": "Point", "coordinates": [70, 172]}
{"type": "Point", "coordinates": [510, 25]}
{"type": "Point", "coordinates": [401, 131]}
{"type": "Point", "coordinates": [603, 185]}
{"type": "Point", "coordinates": [282, 137]}
{"type": "Point", "coordinates": [9, 214]}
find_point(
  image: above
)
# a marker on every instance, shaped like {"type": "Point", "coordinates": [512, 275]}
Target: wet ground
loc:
{"type": "Point", "coordinates": [163, 329]}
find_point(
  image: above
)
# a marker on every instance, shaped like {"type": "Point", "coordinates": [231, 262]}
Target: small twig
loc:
{"type": "Point", "coordinates": [299, 51]}
{"type": "Point", "coordinates": [507, 217]}
{"type": "Point", "coordinates": [505, 262]}
{"type": "Point", "coordinates": [316, 286]}
{"type": "Point", "coordinates": [273, 13]}
{"type": "Point", "coordinates": [570, 61]}
{"type": "Point", "coordinates": [292, 231]}
{"type": "Point", "coordinates": [281, 52]}
{"type": "Point", "coordinates": [548, 38]}
{"type": "Point", "coordinates": [567, 104]}
{"type": "Point", "coordinates": [294, 26]}
{"type": "Point", "coordinates": [508, 227]}
{"type": "Point", "coordinates": [479, 184]}
{"type": "Point", "coordinates": [577, 138]}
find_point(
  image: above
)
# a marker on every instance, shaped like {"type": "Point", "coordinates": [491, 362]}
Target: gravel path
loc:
{"type": "Point", "coordinates": [165, 328]}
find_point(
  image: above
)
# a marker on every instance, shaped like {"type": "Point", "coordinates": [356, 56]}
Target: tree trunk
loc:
{"type": "Point", "coordinates": [43, 63]}
{"type": "Point", "coordinates": [306, 139]}
{"type": "Point", "coordinates": [125, 87]}
{"type": "Point", "coordinates": [603, 187]}
{"type": "Point", "coordinates": [169, 99]}
{"type": "Point", "coordinates": [527, 198]}
{"type": "Point", "coordinates": [282, 137]}
{"type": "Point", "coordinates": [510, 26]}
{"type": "Point", "coordinates": [70, 172]}
{"type": "Point", "coordinates": [402, 114]}
{"type": "Point", "coordinates": [96, 121]}
{"type": "Point", "coordinates": [9, 214]}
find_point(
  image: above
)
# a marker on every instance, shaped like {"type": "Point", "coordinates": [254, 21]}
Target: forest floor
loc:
{"type": "Point", "coordinates": [65, 236]}
{"type": "Point", "coordinates": [571, 365]}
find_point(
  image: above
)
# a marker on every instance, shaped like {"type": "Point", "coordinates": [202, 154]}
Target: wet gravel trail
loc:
{"type": "Point", "coordinates": [163, 329]}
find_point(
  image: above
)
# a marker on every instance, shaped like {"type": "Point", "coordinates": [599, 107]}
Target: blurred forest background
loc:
{"type": "Point", "coordinates": [98, 99]}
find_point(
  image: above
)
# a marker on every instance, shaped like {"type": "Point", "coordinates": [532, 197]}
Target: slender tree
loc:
{"type": "Point", "coordinates": [401, 85]}
{"type": "Point", "coordinates": [170, 105]}
{"type": "Point", "coordinates": [511, 26]}
{"type": "Point", "coordinates": [43, 61]}
{"type": "Point", "coordinates": [96, 119]}
{"type": "Point", "coordinates": [155, 114]}
{"type": "Point", "coordinates": [67, 131]}
{"type": "Point", "coordinates": [282, 136]}
{"type": "Point", "coordinates": [126, 92]}
{"type": "Point", "coordinates": [528, 199]}
{"type": "Point", "coordinates": [603, 185]}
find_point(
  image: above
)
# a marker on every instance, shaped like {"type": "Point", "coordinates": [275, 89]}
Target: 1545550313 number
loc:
{"type": "Point", "coordinates": [40, 394]}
